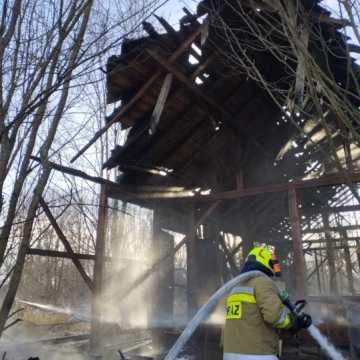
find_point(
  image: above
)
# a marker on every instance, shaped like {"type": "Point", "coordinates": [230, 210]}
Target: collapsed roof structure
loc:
{"type": "Point", "coordinates": [201, 124]}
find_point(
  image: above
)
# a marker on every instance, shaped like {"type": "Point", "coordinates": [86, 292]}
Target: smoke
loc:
{"type": "Point", "coordinates": [130, 235]}
{"type": "Point", "coordinates": [23, 341]}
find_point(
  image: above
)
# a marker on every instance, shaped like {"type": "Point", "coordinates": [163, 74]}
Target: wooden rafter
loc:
{"type": "Point", "coordinates": [188, 83]}
{"type": "Point", "coordinates": [182, 48]}
{"type": "Point", "coordinates": [199, 69]}
{"type": "Point", "coordinates": [59, 254]}
{"type": "Point", "coordinates": [166, 157]}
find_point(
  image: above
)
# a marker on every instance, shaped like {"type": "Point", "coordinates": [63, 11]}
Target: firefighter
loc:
{"type": "Point", "coordinates": [255, 313]}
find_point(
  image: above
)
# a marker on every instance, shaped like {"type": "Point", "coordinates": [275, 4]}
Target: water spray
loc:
{"type": "Point", "coordinates": [207, 308]}
{"type": "Point", "coordinates": [324, 343]}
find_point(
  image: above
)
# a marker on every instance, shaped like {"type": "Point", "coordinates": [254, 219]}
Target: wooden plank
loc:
{"type": "Point", "coordinates": [182, 48]}
{"type": "Point", "coordinates": [59, 254]}
{"type": "Point", "coordinates": [342, 247]}
{"type": "Point", "coordinates": [189, 84]}
{"type": "Point", "coordinates": [160, 104]}
{"type": "Point", "coordinates": [334, 240]}
{"type": "Point", "coordinates": [66, 244]}
{"type": "Point", "coordinates": [299, 260]}
{"type": "Point", "coordinates": [96, 309]}
{"type": "Point", "coordinates": [118, 192]}
{"type": "Point", "coordinates": [301, 67]}
{"type": "Point", "coordinates": [84, 175]}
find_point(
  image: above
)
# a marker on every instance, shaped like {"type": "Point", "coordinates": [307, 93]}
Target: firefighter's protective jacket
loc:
{"type": "Point", "coordinates": [254, 315]}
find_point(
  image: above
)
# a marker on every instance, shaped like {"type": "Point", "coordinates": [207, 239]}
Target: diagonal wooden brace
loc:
{"type": "Point", "coordinates": [66, 244]}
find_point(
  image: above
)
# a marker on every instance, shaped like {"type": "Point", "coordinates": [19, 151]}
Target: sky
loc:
{"type": "Point", "coordinates": [172, 11]}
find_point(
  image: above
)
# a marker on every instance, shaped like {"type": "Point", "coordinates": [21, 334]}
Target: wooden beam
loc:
{"type": "Point", "coordinates": [119, 192]}
{"type": "Point", "coordinates": [343, 208]}
{"type": "Point", "coordinates": [189, 84]}
{"type": "Point", "coordinates": [328, 180]}
{"type": "Point", "coordinates": [192, 274]}
{"type": "Point", "coordinates": [299, 260]}
{"type": "Point", "coordinates": [181, 49]}
{"type": "Point", "coordinates": [325, 19]}
{"type": "Point", "coordinates": [170, 127]}
{"type": "Point", "coordinates": [160, 103]}
{"type": "Point", "coordinates": [66, 244]}
{"type": "Point", "coordinates": [59, 254]}
{"type": "Point", "coordinates": [331, 228]}
{"type": "Point", "coordinates": [330, 254]}
{"type": "Point", "coordinates": [84, 175]}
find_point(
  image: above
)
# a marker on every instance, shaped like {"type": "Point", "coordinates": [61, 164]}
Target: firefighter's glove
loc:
{"type": "Point", "coordinates": [300, 321]}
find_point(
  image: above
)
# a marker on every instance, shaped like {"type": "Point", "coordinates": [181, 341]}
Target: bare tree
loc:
{"type": "Point", "coordinates": [50, 57]}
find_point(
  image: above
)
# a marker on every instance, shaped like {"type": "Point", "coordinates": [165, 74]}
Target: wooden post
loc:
{"type": "Point", "coordinates": [349, 272]}
{"type": "Point", "coordinates": [160, 103]}
{"type": "Point", "coordinates": [348, 264]}
{"type": "Point", "coordinates": [96, 319]}
{"type": "Point", "coordinates": [317, 271]}
{"type": "Point", "coordinates": [191, 272]}
{"type": "Point", "coordinates": [333, 287]}
{"type": "Point", "coordinates": [299, 260]}
{"type": "Point", "coordinates": [162, 289]}
{"type": "Point", "coordinates": [358, 252]}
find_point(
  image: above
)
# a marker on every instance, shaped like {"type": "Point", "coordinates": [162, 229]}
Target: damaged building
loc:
{"type": "Point", "coordinates": [231, 144]}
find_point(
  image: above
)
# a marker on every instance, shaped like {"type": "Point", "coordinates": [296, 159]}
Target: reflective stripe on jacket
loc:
{"type": "Point", "coordinates": [254, 313]}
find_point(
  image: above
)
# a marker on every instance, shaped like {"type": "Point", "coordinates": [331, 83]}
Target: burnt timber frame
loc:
{"type": "Point", "coordinates": [144, 196]}
{"type": "Point", "coordinates": [113, 190]}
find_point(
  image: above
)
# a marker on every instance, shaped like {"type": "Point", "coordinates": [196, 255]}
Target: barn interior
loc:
{"type": "Point", "coordinates": [222, 165]}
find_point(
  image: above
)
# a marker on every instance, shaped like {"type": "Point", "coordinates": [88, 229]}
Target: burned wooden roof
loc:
{"type": "Point", "coordinates": [218, 127]}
